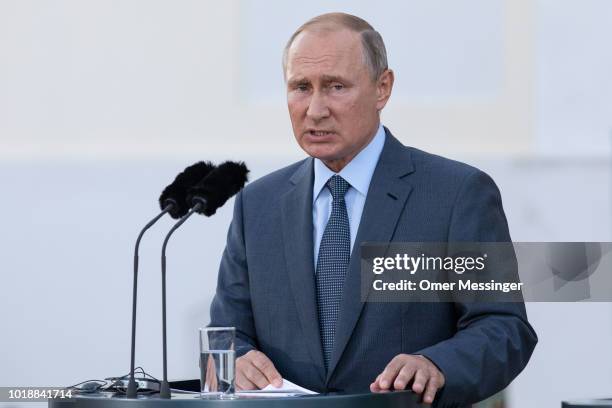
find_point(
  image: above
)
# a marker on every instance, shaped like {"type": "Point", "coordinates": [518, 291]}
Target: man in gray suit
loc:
{"type": "Point", "coordinates": [289, 279]}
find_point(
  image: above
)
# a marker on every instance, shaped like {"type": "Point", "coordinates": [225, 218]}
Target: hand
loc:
{"type": "Point", "coordinates": [404, 368]}
{"type": "Point", "coordinates": [255, 371]}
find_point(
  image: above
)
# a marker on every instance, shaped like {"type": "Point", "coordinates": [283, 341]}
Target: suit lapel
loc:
{"type": "Point", "coordinates": [384, 204]}
{"type": "Point", "coordinates": [296, 212]}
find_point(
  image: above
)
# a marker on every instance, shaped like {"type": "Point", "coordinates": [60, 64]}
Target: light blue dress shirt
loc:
{"type": "Point", "coordinates": [358, 172]}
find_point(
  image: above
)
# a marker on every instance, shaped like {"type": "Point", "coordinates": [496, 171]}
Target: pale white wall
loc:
{"type": "Point", "coordinates": [102, 102]}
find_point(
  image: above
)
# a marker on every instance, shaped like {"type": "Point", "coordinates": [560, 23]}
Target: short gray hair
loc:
{"type": "Point", "coordinates": [375, 53]}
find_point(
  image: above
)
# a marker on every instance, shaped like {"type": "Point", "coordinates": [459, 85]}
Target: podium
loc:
{"type": "Point", "coordinates": [594, 403]}
{"type": "Point", "coordinates": [395, 399]}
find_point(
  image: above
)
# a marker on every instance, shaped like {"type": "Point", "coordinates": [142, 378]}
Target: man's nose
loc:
{"type": "Point", "coordinates": [317, 108]}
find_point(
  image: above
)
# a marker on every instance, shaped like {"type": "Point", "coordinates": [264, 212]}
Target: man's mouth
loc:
{"type": "Point", "coordinates": [319, 133]}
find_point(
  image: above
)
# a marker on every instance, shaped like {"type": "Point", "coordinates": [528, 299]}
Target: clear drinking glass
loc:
{"type": "Point", "coordinates": [217, 362]}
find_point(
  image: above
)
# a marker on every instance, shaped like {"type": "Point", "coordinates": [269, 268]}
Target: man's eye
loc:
{"type": "Point", "coordinates": [302, 88]}
{"type": "Point", "coordinates": [338, 87]}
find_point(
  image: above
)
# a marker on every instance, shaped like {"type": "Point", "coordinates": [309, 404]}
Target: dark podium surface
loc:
{"type": "Point", "coordinates": [594, 403]}
{"type": "Point", "coordinates": [403, 399]}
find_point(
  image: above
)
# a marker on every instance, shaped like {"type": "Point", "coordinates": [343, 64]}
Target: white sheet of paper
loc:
{"type": "Point", "coordinates": [288, 386]}
{"type": "Point", "coordinates": [288, 389]}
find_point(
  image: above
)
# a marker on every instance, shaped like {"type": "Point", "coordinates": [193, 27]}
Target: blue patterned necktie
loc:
{"type": "Point", "coordinates": [332, 263]}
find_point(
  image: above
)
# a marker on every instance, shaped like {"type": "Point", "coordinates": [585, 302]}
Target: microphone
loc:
{"type": "Point", "coordinates": [176, 193]}
{"type": "Point", "coordinates": [205, 198]}
{"type": "Point", "coordinates": [216, 188]}
{"type": "Point", "coordinates": [173, 200]}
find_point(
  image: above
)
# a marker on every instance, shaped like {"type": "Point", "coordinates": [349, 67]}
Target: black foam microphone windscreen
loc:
{"type": "Point", "coordinates": [176, 192]}
{"type": "Point", "coordinates": [216, 188]}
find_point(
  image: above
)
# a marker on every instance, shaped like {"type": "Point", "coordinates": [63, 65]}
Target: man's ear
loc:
{"type": "Point", "coordinates": [384, 86]}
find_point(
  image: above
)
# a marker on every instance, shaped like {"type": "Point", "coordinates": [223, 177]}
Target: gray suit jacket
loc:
{"type": "Point", "coordinates": [266, 284]}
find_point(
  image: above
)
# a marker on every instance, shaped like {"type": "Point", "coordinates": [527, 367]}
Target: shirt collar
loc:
{"type": "Point", "coordinates": [358, 172]}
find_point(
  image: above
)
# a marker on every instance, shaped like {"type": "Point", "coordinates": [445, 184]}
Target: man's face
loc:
{"type": "Point", "coordinates": [333, 101]}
